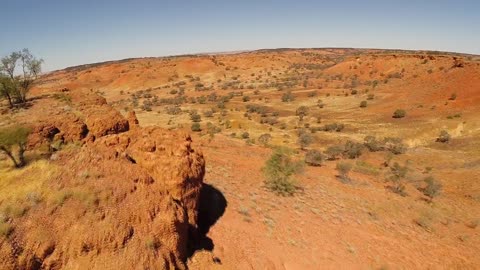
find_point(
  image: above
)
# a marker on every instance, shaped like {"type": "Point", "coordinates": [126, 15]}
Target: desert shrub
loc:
{"type": "Point", "coordinates": [245, 135]}
{"type": "Point", "coordinates": [370, 96]}
{"type": "Point", "coordinates": [395, 145]}
{"type": "Point", "coordinates": [314, 158]}
{"type": "Point", "coordinates": [397, 177]}
{"type": "Point", "coordinates": [444, 137]}
{"type": "Point", "coordinates": [334, 152]}
{"type": "Point", "coordinates": [354, 92]}
{"type": "Point", "coordinates": [245, 98]}
{"type": "Point", "coordinates": [279, 170]}
{"type": "Point", "coordinates": [334, 127]}
{"type": "Point", "coordinates": [14, 137]}
{"type": "Point", "coordinates": [363, 104]}
{"type": "Point", "coordinates": [305, 140]}
{"type": "Point", "coordinates": [453, 96]}
{"type": "Point", "coordinates": [288, 97]}
{"type": "Point", "coordinates": [212, 129]}
{"type": "Point", "coordinates": [196, 127]}
{"type": "Point", "coordinates": [265, 138]}
{"type": "Point", "coordinates": [208, 113]}
{"type": "Point", "coordinates": [195, 117]}
{"type": "Point", "coordinates": [432, 187]}
{"type": "Point", "coordinates": [173, 110]}
{"type": "Point", "coordinates": [352, 150]}
{"type": "Point", "coordinates": [301, 112]}
{"type": "Point", "coordinates": [372, 144]}
{"type": "Point", "coordinates": [399, 113]}
{"type": "Point", "coordinates": [344, 169]}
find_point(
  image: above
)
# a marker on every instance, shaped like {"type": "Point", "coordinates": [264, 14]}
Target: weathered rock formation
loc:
{"type": "Point", "coordinates": [126, 199]}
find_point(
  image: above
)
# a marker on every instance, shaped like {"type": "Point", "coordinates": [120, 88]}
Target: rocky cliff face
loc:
{"type": "Point", "coordinates": [127, 198]}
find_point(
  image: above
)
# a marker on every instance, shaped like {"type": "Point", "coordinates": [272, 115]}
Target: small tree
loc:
{"type": "Point", "coordinates": [314, 158]}
{"type": "Point", "coordinates": [301, 112]}
{"type": "Point", "coordinates": [279, 170]}
{"type": "Point", "coordinates": [11, 138]}
{"type": "Point", "coordinates": [19, 80]}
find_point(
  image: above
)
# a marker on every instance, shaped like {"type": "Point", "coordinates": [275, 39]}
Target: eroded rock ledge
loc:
{"type": "Point", "coordinates": [127, 198]}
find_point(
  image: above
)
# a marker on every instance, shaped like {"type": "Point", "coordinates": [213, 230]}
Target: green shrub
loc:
{"type": "Point", "coordinates": [372, 144]}
{"type": "Point", "coordinates": [195, 117]}
{"type": "Point", "coordinates": [305, 140]}
{"type": "Point", "coordinates": [279, 170]}
{"type": "Point", "coordinates": [196, 127]}
{"type": "Point", "coordinates": [314, 158]}
{"type": "Point", "coordinates": [352, 150]}
{"type": "Point", "coordinates": [287, 97]}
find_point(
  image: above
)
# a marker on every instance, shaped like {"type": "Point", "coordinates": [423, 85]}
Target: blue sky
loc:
{"type": "Point", "coordinates": [66, 33]}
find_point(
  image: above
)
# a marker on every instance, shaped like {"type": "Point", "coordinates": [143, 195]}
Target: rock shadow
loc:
{"type": "Point", "coordinates": [212, 205]}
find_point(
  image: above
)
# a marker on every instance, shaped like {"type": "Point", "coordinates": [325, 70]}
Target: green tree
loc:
{"type": "Point", "coordinates": [279, 170]}
{"type": "Point", "coordinates": [14, 137]}
{"type": "Point", "coordinates": [20, 70]}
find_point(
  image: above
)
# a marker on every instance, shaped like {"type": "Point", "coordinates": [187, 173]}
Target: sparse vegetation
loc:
{"type": "Point", "coordinates": [396, 179]}
{"type": "Point", "coordinates": [279, 171]}
{"type": "Point", "coordinates": [432, 187]}
{"type": "Point", "coordinates": [11, 138]}
{"type": "Point", "coordinates": [314, 157]}
{"type": "Point", "coordinates": [344, 169]}
{"type": "Point", "coordinates": [399, 113]}
{"type": "Point", "coordinates": [444, 137]}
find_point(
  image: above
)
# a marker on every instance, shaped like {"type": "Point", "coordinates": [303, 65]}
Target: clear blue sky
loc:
{"type": "Point", "coordinates": [66, 33]}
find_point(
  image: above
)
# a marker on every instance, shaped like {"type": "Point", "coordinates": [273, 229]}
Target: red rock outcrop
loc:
{"type": "Point", "coordinates": [126, 200]}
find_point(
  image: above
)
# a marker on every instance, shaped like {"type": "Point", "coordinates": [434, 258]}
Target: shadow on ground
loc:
{"type": "Point", "coordinates": [211, 207]}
